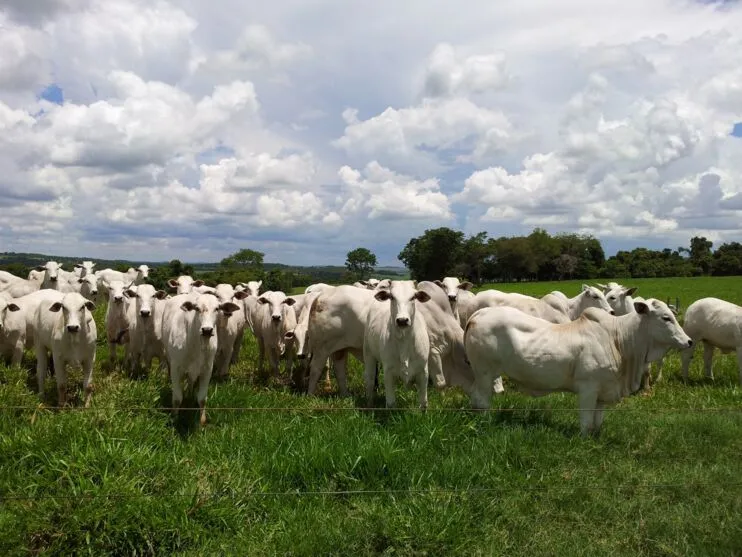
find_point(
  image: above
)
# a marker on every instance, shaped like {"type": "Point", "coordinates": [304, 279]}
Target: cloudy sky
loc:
{"type": "Point", "coordinates": [149, 130]}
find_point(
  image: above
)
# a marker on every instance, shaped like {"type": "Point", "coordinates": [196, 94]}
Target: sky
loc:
{"type": "Point", "coordinates": [150, 130]}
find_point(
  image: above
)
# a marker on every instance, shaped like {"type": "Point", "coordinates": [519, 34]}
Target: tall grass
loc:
{"type": "Point", "coordinates": [664, 478]}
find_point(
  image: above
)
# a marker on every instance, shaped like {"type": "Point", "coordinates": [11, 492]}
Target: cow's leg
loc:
{"type": "Point", "coordinates": [237, 347]}
{"type": "Point", "coordinates": [389, 384]}
{"type": "Point", "coordinates": [497, 387]}
{"type": "Point", "coordinates": [481, 390]}
{"type": "Point", "coordinates": [660, 365]}
{"type": "Point", "coordinates": [177, 387]}
{"type": "Point", "coordinates": [598, 417]}
{"type": "Point", "coordinates": [369, 368]}
{"type": "Point", "coordinates": [708, 356]}
{"type": "Point", "coordinates": [274, 355]}
{"type": "Point", "coordinates": [60, 367]}
{"type": "Point", "coordinates": [588, 400]}
{"type": "Point", "coordinates": [315, 368]}
{"type": "Point", "coordinates": [328, 383]}
{"type": "Point", "coordinates": [685, 357]}
{"type": "Point", "coordinates": [42, 362]}
{"type": "Point", "coordinates": [17, 357]}
{"type": "Point", "coordinates": [223, 361]}
{"type": "Point", "coordinates": [340, 363]}
{"type": "Point", "coordinates": [87, 379]}
{"type": "Point", "coordinates": [203, 391]}
{"type": "Point", "coordinates": [435, 366]}
{"type": "Point", "coordinates": [261, 355]}
{"type": "Point", "coordinates": [112, 353]}
{"type": "Point", "coordinates": [422, 387]}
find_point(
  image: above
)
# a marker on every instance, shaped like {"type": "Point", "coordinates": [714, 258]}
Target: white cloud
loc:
{"type": "Point", "coordinates": [381, 193]}
{"type": "Point", "coordinates": [190, 132]}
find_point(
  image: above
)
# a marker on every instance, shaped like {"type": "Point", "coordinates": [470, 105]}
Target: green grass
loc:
{"type": "Point", "coordinates": [664, 478]}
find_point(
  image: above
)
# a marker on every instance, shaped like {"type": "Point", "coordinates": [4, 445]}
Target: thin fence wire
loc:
{"type": "Point", "coordinates": [330, 409]}
{"type": "Point", "coordinates": [372, 492]}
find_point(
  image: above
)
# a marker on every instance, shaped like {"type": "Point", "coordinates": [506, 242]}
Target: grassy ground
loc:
{"type": "Point", "coordinates": [665, 477]}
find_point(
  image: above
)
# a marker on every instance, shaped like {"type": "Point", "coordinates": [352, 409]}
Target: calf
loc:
{"type": "Point", "coordinates": [12, 331]}
{"type": "Point", "coordinates": [599, 357]}
{"type": "Point", "coordinates": [230, 329]}
{"type": "Point", "coordinates": [397, 337]}
{"type": "Point", "coordinates": [189, 333]}
{"type": "Point", "coordinates": [117, 319]}
{"type": "Point", "coordinates": [144, 317]}
{"type": "Point", "coordinates": [452, 286]}
{"type": "Point", "coordinates": [65, 328]}
{"type": "Point", "coordinates": [85, 268]}
{"type": "Point", "coordinates": [274, 322]}
{"type": "Point", "coordinates": [718, 324]}
{"type": "Point", "coordinates": [184, 284]}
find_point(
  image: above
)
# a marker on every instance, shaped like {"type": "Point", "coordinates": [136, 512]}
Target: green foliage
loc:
{"type": "Point", "coordinates": [360, 263]}
{"type": "Point", "coordinates": [663, 478]}
{"type": "Point", "coordinates": [433, 255]}
{"type": "Point", "coordinates": [245, 258]}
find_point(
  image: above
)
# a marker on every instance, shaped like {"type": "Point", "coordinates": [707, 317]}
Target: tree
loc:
{"type": "Point", "coordinates": [700, 254]}
{"type": "Point", "coordinates": [433, 255]}
{"type": "Point", "coordinates": [360, 263]}
{"type": "Point", "coordinates": [246, 258]}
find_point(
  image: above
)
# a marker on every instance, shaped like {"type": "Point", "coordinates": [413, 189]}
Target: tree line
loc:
{"type": "Point", "coordinates": [540, 256]}
{"type": "Point", "coordinates": [441, 252]}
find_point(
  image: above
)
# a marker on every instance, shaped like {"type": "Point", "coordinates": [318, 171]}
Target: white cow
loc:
{"type": "Point", "coordinates": [189, 332]}
{"type": "Point", "coordinates": [370, 284]}
{"type": "Point", "coordinates": [301, 334]}
{"type": "Point", "coordinates": [252, 287]}
{"type": "Point", "coordinates": [117, 319]}
{"type": "Point", "coordinates": [620, 298]}
{"type": "Point", "coordinates": [7, 278]}
{"type": "Point", "coordinates": [85, 268]}
{"type": "Point", "coordinates": [184, 284]}
{"type": "Point", "coordinates": [337, 322]}
{"type": "Point", "coordinates": [318, 287]}
{"type": "Point", "coordinates": [599, 357]}
{"type": "Point", "coordinates": [131, 276]}
{"type": "Point", "coordinates": [589, 297]}
{"type": "Point", "coordinates": [230, 329]}
{"type": "Point", "coordinates": [452, 286]}
{"type": "Point", "coordinates": [608, 287]}
{"type": "Point", "coordinates": [465, 306]}
{"type": "Point", "coordinates": [526, 304]}
{"type": "Point", "coordinates": [144, 317]}
{"type": "Point", "coordinates": [274, 322]}
{"type": "Point", "coordinates": [20, 287]}
{"type": "Point", "coordinates": [718, 324]}
{"type": "Point", "coordinates": [397, 337]}
{"type": "Point", "coordinates": [65, 328]}
{"type": "Point", "coordinates": [12, 330]}
{"type": "Point", "coordinates": [51, 274]}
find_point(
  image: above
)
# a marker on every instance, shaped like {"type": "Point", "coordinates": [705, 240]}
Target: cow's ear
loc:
{"type": "Point", "coordinates": [131, 293]}
{"type": "Point", "coordinates": [382, 295]}
{"type": "Point", "coordinates": [13, 307]}
{"type": "Point", "coordinates": [289, 301]}
{"type": "Point", "coordinates": [160, 294]}
{"type": "Point", "coordinates": [80, 281]}
{"type": "Point", "coordinates": [172, 283]}
{"type": "Point", "coordinates": [90, 305]}
{"type": "Point", "coordinates": [641, 307]}
{"type": "Point", "coordinates": [260, 283]}
{"type": "Point", "coordinates": [188, 306]}
{"type": "Point", "coordinates": [55, 307]}
{"type": "Point", "coordinates": [439, 283]}
{"type": "Point", "coordinates": [263, 300]}
{"type": "Point", "coordinates": [630, 291]}
{"type": "Point", "coordinates": [197, 283]}
{"type": "Point", "coordinates": [422, 296]}
{"type": "Point", "coordinates": [229, 307]}
{"type": "Point", "coordinates": [466, 285]}
{"type": "Point", "coordinates": [241, 295]}
{"type": "Point", "coordinates": [585, 287]}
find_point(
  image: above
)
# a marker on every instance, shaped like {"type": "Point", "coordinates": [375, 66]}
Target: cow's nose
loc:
{"type": "Point", "coordinates": [452, 296]}
{"type": "Point", "coordinates": [144, 313]}
{"type": "Point", "coordinates": [301, 356]}
{"type": "Point", "coordinates": [612, 312]}
{"type": "Point", "coordinates": [53, 279]}
{"type": "Point", "coordinates": [276, 317]}
{"type": "Point", "coordinates": [690, 343]}
{"type": "Point", "coordinates": [118, 299]}
{"type": "Point", "coordinates": [207, 331]}
{"type": "Point", "coordinates": [73, 328]}
{"type": "Point", "coordinates": [403, 321]}
{"type": "Point", "coordinates": [94, 292]}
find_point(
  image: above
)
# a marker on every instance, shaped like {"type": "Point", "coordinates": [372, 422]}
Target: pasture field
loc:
{"type": "Point", "coordinates": [319, 476]}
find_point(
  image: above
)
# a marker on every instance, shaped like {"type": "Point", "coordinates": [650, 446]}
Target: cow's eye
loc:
{"type": "Point", "coordinates": [667, 318]}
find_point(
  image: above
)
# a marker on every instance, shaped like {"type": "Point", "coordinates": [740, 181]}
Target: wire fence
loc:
{"type": "Point", "coordinates": [376, 492]}
{"type": "Point", "coordinates": [331, 409]}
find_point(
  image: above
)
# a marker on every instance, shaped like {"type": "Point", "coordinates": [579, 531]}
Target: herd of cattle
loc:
{"type": "Point", "coordinates": [598, 344]}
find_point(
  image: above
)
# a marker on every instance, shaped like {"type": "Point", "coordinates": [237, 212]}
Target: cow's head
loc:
{"type": "Point", "coordinates": [402, 295]}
